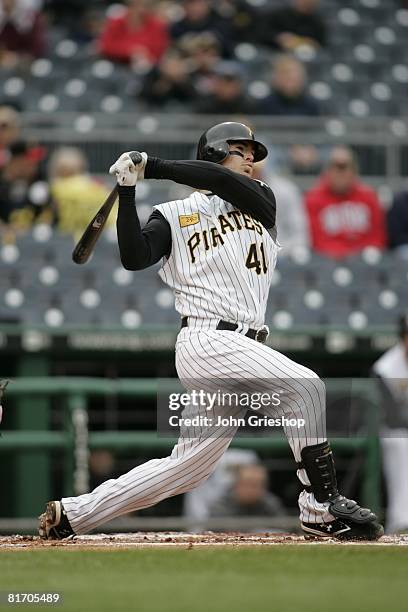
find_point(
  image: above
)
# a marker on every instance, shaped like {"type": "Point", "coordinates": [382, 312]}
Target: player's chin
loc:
{"type": "Point", "coordinates": [248, 170]}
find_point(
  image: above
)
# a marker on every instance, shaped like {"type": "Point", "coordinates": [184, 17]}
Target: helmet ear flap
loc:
{"type": "Point", "coordinates": [216, 152]}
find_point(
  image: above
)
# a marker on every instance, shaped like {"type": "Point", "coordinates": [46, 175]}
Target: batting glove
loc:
{"type": "Point", "coordinates": [126, 171]}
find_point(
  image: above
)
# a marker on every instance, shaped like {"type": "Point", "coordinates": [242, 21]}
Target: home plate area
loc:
{"type": "Point", "coordinates": [184, 540]}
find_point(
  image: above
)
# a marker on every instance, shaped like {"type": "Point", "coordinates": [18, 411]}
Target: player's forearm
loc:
{"type": "Point", "coordinates": [241, 191]}
{"type": "Point", "coordinates": [139, 248]}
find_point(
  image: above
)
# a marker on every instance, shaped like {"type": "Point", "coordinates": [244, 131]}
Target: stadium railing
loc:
{"type": "Point", "coordinates": [380, 142]}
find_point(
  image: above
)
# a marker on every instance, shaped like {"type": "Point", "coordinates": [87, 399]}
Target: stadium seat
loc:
{"type": "Point", "coordinates": [308, 289]}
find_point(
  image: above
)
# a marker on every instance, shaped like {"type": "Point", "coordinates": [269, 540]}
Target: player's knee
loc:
{"type": "Point", "coordinates": [310, 391]}
{"type": "Point", "coordinates": [320, 384]}
{"type": "Point", "coordinates": [312, 375]}
{"type": "Point", "coordinates": [309, 385]}
{"type": "Point", "coordinates": [319, 392]}
{"type": "Point", "coordinates": [316, 382]}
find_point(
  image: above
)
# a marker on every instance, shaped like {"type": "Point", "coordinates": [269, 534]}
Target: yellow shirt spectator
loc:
{"type": "Point", "coordinates": [78, 199]}
{"type": "Point", "coordinates": [76, 194]}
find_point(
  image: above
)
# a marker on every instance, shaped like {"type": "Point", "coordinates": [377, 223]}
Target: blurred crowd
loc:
{"type": "Point", "coordinates": [38, 187]}
{"type": "Point", "coordinates": [141, 32]}
{"type": "Point", "coordinates": [338, 216]}
{"type": "Point", "coordinates": [180, 55]}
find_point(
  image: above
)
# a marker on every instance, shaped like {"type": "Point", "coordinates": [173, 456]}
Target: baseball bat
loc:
{"type": "Point", "coordinates": [86, 243]}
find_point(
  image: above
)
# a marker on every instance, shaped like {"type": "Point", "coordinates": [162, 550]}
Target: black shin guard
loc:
{"type": "Point", "coordinates": [317, 461]}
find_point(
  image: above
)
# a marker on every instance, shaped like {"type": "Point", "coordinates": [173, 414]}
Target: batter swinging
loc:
{"type": "Point", "coordinates": [219, 248]}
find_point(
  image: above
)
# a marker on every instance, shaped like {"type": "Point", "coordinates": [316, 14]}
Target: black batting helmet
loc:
{"type": "Point", "coordinates": [213, 144]}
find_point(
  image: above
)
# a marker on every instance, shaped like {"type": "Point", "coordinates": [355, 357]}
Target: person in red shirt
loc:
{"type": "Point", "coordinates": [345, 215]}
{"type": "Point", "coordinates": [135, 36]}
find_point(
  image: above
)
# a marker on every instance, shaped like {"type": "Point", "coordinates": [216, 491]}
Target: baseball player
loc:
{"type": "Point", "coordinates": [219, 248]}
{"type": "Point", "coordinates": [391, 372]}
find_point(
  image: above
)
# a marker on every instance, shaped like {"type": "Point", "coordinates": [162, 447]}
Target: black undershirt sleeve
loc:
{"type": "Point", "coordinates": [246, 194]}
{"type": "Point", "coordinates": [140, 248]}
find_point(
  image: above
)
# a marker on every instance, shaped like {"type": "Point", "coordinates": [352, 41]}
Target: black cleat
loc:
{"type": "Point", "coordinates": [352, 522]}
{"type": "Point", "coordinates": [339, 530]}
{"type": "Point", "coordinates": [54, 523]}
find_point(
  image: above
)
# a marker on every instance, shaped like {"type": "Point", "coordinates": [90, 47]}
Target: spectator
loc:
{"type": "Point", "coordinates": [76, 194]}
{"type": "Point", "coordinates": [82, 21]}
{"type": "Point", "coordinates": [10, 126]}
{"type": "Point", "coordinates": [169, 83]}
{"type": "Point", "coordinates": [294, 160]}
{"type": "Point", "coordinates": [391, 370]}
{"type": "Point", "coordinates": [397, 223]}
{"type": "Point", "coordinates": [289, 96]}
{"type": "Point", "coordinates": [200, 17]}
{"type": "Point", "coordinates": [101, 467]}
{"type": "Point", "coordinates": [137, 36]}
{"type": "Point", "coordinates": [291, 219]}
{"type": "Point", "coordinates": [248, 495]}
{"type": "Point", "coordinates": [244, 19]}
{"type": "Point", "coordinates": [293, 26]}
{"type": "Point", "coordinates": [202, 52]}
{"type": "Point", "coordinates": [344, 214]}
{"type": "Point", "coordinates": [22, 33]}
{"type": "Point", "coordinates": [24, 193]}
{"type": "Point", "coordinates": [228, 92]}
{"type": "Point", "coordinates": [197, 502]}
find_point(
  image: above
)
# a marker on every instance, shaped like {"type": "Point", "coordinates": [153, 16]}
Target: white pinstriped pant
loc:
{"type": "Point", "coordinates": [214, 357]}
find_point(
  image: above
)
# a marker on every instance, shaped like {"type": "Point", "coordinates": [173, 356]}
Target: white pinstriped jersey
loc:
{"type": "Point", "coordinates": [221, 261]}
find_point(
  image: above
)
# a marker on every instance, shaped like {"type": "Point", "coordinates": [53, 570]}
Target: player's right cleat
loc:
{"type": "Point", "coordinates": [352, 522]}
{"type": "Point", "coordinates": [340, 530]}
{"type": "Point", "coordinates": [54, 523]}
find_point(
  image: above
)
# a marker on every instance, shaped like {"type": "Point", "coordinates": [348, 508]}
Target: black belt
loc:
{"type": "Point", "coordinates": [255, 334]}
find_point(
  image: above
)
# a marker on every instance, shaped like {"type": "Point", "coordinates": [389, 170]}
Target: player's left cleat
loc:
{"type": "Point", "coordinates": [351, 522]}
{"type": "Point", "coordinates": [54, 523]}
